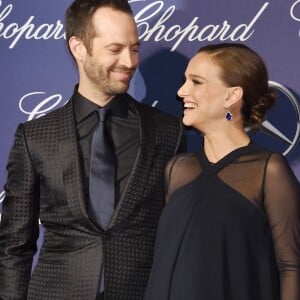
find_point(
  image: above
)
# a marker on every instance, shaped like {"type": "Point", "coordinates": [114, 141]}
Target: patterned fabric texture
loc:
{"type": "Point", "coordinates": [45, 182]}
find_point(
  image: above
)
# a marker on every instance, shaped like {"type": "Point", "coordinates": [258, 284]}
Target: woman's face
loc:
{"type": "Point", "coordinates": [203, 93]}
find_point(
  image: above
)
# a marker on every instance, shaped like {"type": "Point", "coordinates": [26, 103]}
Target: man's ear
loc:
{"type": "Point", "coordinates": [77, 48]}
{"type": "Point", "coordinates": [234, 97]}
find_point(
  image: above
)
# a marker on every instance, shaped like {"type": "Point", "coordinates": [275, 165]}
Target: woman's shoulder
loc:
{"type": "Point", "coordinates": [182, 168]}
{"type": "Point", "coordinates": [256, 152]}
{"type": "Point", "coordinates": [275, 164]}
{"type": "Point", "coordinates": [278, 165]}
{"type": "Point", "coordinates": [183, 160]}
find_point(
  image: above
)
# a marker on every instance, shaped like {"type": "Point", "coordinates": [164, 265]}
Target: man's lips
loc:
{"type": "Point", "coordinates": [122, 74]}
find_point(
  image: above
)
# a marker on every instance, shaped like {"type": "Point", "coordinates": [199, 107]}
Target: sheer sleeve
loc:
{"type": "Point", "coordinates": [180, 170]}
{"type": "Point", "coordinates": [282, 205]}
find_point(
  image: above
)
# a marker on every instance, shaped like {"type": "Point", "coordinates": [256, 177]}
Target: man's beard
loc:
{"type": "Point", "coordinates": [101, 78]}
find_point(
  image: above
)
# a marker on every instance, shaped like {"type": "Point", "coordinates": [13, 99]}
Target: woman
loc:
{"type": "Point", "coordinates": [231, 228]}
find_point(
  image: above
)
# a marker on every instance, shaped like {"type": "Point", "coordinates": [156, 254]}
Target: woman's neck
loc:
{"type": "Point", "coordinates": [219, 144]}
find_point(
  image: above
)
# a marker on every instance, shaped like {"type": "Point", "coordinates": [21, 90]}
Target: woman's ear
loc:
{"type": "Point", "coordinates": [235, 96]}
{"type": "Point", "coordinates": [77, 48]}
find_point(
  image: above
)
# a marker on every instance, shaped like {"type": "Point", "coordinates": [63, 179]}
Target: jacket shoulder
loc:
{"type": "Point", "coordinates": [52, 118]}
{"type": "Point", "coordinates": [56, 125]}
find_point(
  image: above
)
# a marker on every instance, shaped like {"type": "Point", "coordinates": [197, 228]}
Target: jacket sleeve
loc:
{"type": "Point", "coordinates": [19, 227]}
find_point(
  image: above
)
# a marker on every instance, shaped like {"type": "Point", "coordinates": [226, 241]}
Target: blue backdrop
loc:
{"type": "Point", "coordinates": [38, 75]}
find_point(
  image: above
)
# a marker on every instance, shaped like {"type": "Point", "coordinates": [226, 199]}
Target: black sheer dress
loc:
{"type": "Point", "coordinates": [230, 230]}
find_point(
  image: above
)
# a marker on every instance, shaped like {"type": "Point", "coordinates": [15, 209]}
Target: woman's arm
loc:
{"type": "Point", "coordinates": [282, 204]}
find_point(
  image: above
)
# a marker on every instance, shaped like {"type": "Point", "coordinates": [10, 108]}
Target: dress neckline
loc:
{"type": "Point", "coordinates": [231, 156]}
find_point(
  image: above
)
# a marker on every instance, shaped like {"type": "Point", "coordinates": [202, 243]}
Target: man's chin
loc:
{"type": "Point", "coordinates": [122, 87]}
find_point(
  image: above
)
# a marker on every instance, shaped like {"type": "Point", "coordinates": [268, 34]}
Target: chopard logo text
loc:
{"type": "Point", "coordinates": [28, 30]}
{"type": "Point", "coordinates": [192, 32]}
{"type": "Point", "coordinates": [149, 29]}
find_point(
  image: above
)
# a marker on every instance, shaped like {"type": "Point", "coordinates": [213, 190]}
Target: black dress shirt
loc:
{"type": "Point", "coordinates": [123, 126]}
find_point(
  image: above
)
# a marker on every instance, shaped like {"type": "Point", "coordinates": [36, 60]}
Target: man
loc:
{"type": "Point", "coordinates": [49, 174]}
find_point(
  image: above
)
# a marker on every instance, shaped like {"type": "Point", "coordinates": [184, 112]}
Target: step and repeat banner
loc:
{"type": "Point", "coordinates": [38, 74]}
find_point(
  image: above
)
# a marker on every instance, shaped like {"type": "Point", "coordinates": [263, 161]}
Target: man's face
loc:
{"type": "Point", "coordinates": [113, 56]}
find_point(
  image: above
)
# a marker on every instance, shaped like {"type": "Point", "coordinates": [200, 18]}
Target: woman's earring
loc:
{"type": "Point", "coordinates": [228, 115]}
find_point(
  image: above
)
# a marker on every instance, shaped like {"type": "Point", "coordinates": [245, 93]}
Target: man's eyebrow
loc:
{"type": "Point", "coordinates": [122, 45]}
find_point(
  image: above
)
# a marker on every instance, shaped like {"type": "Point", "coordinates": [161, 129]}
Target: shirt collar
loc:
{"type": "Point", "coordinates": [83, 107]}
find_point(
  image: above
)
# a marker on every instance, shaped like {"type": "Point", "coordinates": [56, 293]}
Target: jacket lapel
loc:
{"type": "Point", "coordinates": [72, 171]}
{"type": "Point", "coordinates": [136, 186]}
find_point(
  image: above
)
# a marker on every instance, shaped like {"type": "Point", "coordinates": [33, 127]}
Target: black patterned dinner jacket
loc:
{"type": "Point", "coordinates": [45, 182]}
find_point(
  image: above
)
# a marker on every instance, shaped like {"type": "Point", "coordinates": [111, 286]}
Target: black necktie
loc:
{"type": "Point", "coordinates": [102, 174]}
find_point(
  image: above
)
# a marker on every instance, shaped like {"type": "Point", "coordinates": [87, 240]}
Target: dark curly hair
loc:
{"type": "Point", "coordinates": [241, 66]}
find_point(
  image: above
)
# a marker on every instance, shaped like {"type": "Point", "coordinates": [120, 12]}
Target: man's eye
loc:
{"type": "Point", "coordinates": [114, 51]}
{"type": "Point", "coordinates": [196, 82]}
